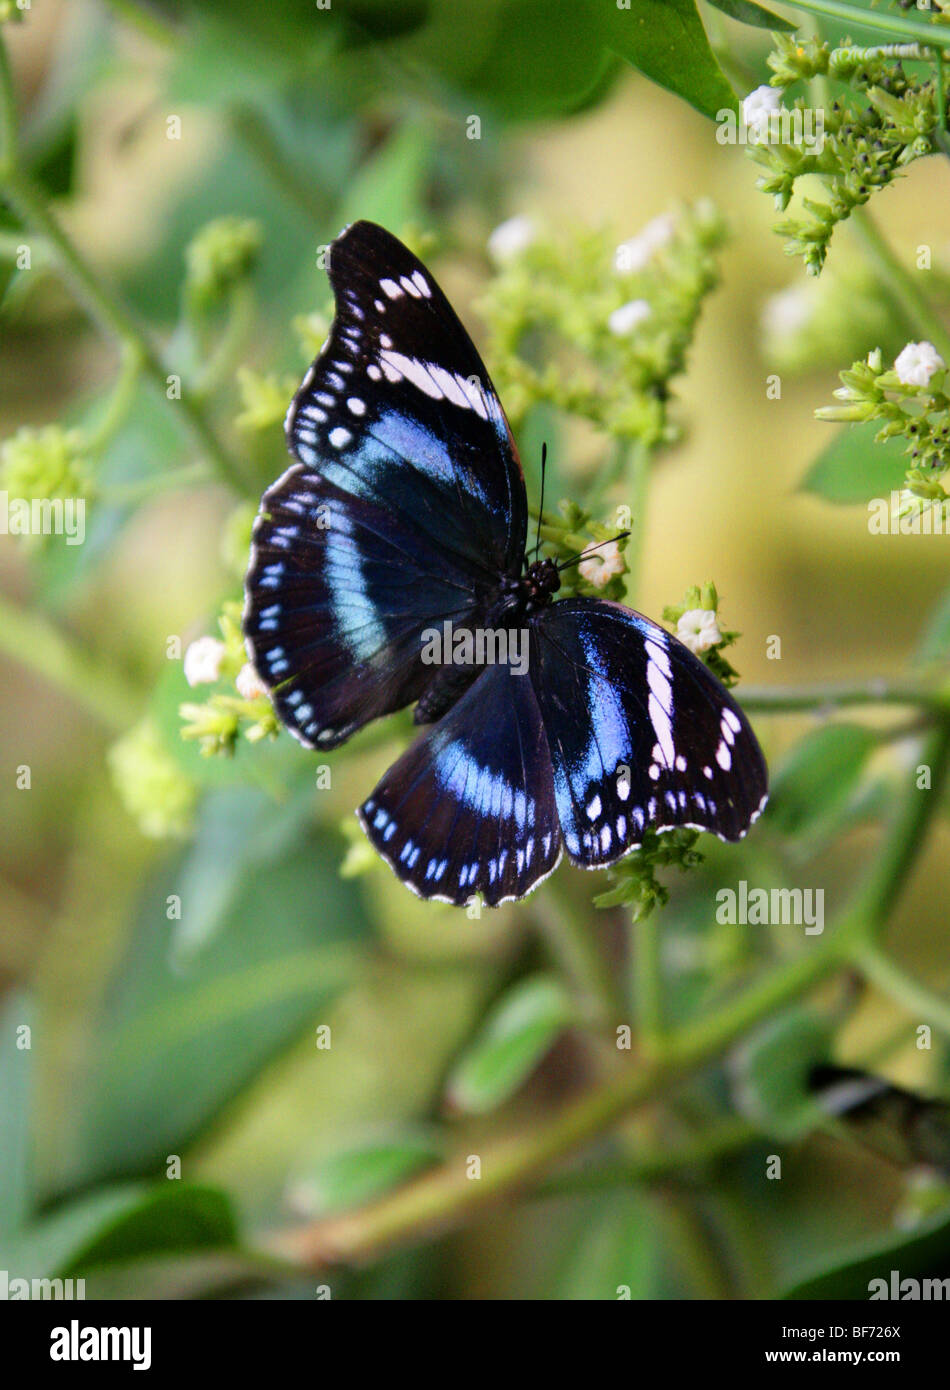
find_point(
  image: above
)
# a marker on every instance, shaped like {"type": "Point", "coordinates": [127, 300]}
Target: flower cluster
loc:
{"type": "Point", "coordinates": [571, 538]}
{"type": "Point", "coordinates": [633, 880]}
{"type": "Point", "coordinates": [217, 723]}
{"type": "Point", "coordinates": [885, 118]}
{"type": "Point", "coordinates": [912, 402]}
{"type": "Point", "coordinates": [153, 788]}
{"type": "Point", "coordinates": [698, 627]}
{"type": "Point", "coordinates": [221, 255]}
{"type": "Point", "coordinates": [598, 329]}
{"type": "Point", "coordinates": [45, 463]}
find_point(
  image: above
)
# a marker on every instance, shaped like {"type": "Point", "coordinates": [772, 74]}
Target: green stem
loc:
{"type": "Point", "coordinates": [106, 308]}
{"type": "Point", "coordinates": [446, 1195]}
{"type": "Point", "coordinates": [919, 1001]}
{"type": "Point", "coordinates": [152, 25]}
{"type": "Point", "coordinates": [647, 982]}
{"type": "Point", "coordinates": [8, 114]}
{"type": "Point", "coordinates": [902, 843]}
{"type": "Point", "coordinates": [120, 401]}
{"type": "Point", "coordinates": [902, 26]}
{"type": "Point", "coordinates": [903, 286]}
{"type": "Point", "coordinates": [260, 141]}
{"type": "Point", "coordinates": [36, 644]}
{"type": "Point", "coordinates": [575, 947]}
{"type": "Point", "coordinates": [224, 359]}
{"type": "Point", "coordinates": [727, 1138]}
{"type": "Point", "coordinates": [763, 699]}
{"type": "Point", "coordinates": [111, 314]}
{"type": "Point", "coordinates": [637, 478]}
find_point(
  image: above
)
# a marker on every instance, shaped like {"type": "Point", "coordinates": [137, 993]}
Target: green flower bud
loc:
{"type": "Point", "coordinates": [152, 786]}
{"type": "Point", "coordinates": [265, 399]}
{"type": "Point", "coordinates": [219, 256]}
{"type": "Point", "coordinates": [44, 463]}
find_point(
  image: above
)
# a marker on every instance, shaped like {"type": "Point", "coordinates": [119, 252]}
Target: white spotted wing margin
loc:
{"type": "Point", "coordinates": [469, 808]}
{"type": "Point", "coordinates": [641, 733]}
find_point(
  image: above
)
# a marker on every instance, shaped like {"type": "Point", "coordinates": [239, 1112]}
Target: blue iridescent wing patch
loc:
{"type": "Point", "coordinates": [338, 594]}
{"type": "Point", "coordinates": [640, 732]}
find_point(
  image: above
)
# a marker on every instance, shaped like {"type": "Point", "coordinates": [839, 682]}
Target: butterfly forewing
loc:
{"type": "Point", "coordinates": [640, 733]}
{"type": "Point", "coordinates": [406, 507]}
{"type": "Point", "coordinates": [399, 408]}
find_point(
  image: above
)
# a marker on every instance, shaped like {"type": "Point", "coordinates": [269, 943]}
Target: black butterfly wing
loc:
{"type": "Point", "coordinates": [399, 409]}
{"type": "Point", "coordinates": [469, 807]}
{"type": "Point", "coordinates": [406, 506]}
{"type": "Point", "coordinates": [640, 732]}
{"type": "Point", "coordinates": [337, 595]}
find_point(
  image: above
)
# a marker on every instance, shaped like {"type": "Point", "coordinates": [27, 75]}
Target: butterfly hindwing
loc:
{"type": "Point", "coordinates": [338, 593]}
{"type": "Point", "coordinates": [469, 807]}
{"type": "Point", "coordinates": [640, 733]}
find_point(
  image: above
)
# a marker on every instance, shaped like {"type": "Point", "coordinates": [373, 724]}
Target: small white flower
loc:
{"type": "Point", "coordinates": [203, 661]}
{"type": "Point", "coordinates": [917, 363]}
{"type": "Point", "coordinates": [758, 106]}
{"type": "Point", "coordinates": [510, 238]}
{"type": "Point", "coordinates": [635, 253]}
{"type": "Point", "coordinates": [602, 565]}
{"type": "Point", "coordinates": [625, 319]}
{"type": "Point", "coordinates": [787, 312]}
{"type": "Point", "coordinates": [248, 682]}
{"type": "Point", "coordinates": [698, 629]}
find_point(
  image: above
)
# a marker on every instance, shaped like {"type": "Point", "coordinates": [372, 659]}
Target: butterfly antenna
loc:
{"type": "Point", "coordinates": [573, 559]}
{"type": "Point", "coordinates": [544, 460]}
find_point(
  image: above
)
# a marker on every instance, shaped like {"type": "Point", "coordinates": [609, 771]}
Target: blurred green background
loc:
{"type": "Point", "coordinates": [154, 1037]}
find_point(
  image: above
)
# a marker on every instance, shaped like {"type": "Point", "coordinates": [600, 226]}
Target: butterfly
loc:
{"type": "Point", "coordinates": [404, 513]}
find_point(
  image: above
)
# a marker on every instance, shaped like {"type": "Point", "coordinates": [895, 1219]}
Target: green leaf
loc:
{"type": "Point", "coordinates": [353, 1175]}
{"type": "Point", "coordinates": [520, 59]}
{"type": "Point", "coordinates": [121, 1223]}
{"type": "Point", "coordinates": [920, 1255]}
{"type": "Point", "coordinates": [771, 1071]}
{"type": "Point", "coordinates": [179, 1038]}
{"type": "Point", "coordinates": [517, 1033]}
{"type": "Point", "coordinates": [610, 1253]}
{"type": "Point", "coordinates": [15, 1137]}
{"type": "Point", "coordinates": [746, 12]}
{"type": "Point", "coordinates": [854, 469]}
{"type": "Point", "coordinates": [389, 188]}
{"type": "Point", "coordinates": [668, 44]}
{"type": "Point", "coordinates": [814, 784]}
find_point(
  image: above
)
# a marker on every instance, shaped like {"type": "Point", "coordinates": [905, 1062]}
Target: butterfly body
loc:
{"type": "Point", "coordinates": [551, 724]}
